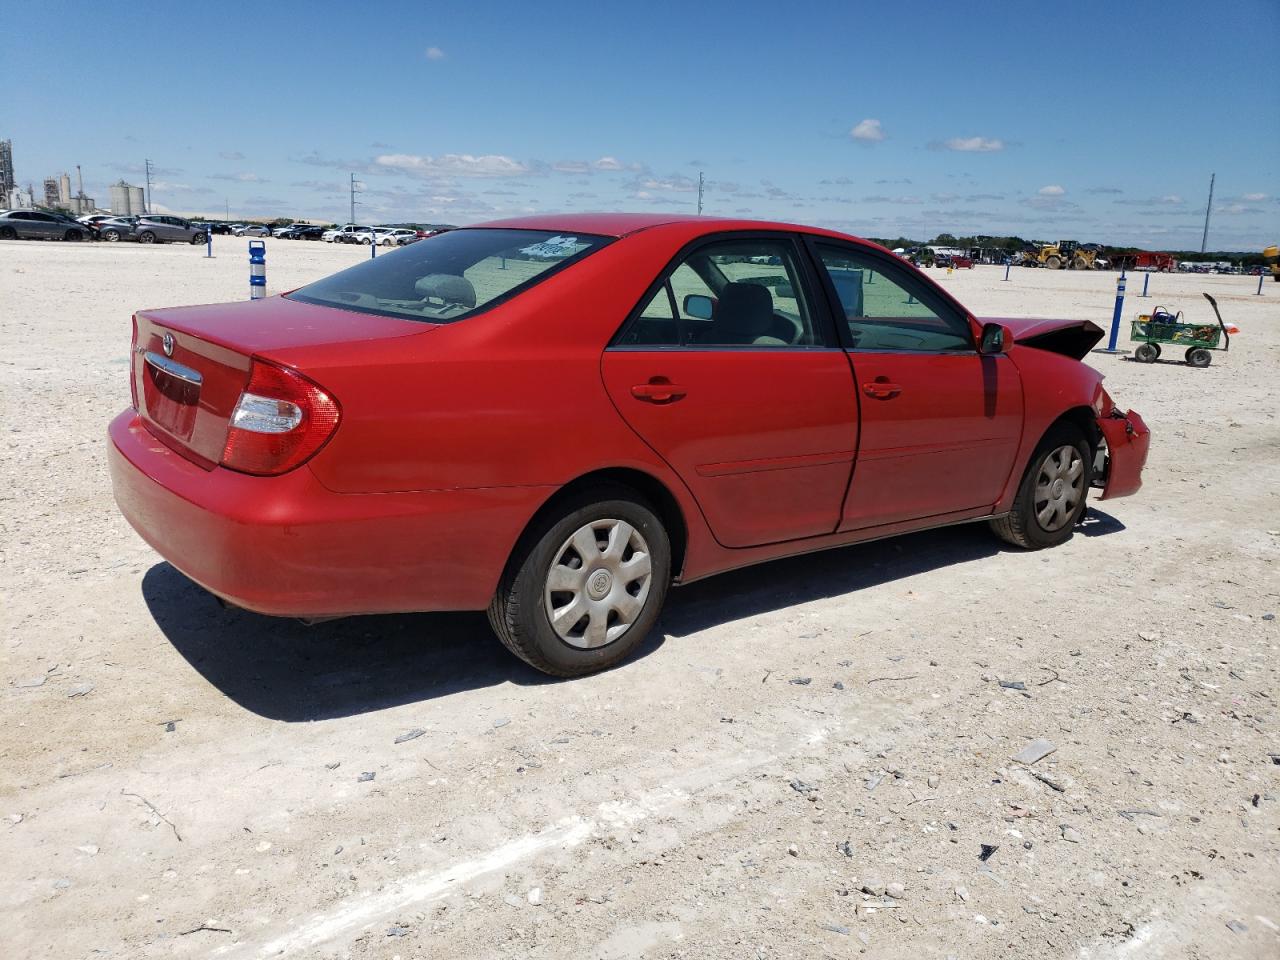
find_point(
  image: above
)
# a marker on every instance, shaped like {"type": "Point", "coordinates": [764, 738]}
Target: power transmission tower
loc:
{"type": "Point", "coordinates": [1204, 239]}
{"type": "Point", "coordinates": [147, 164]}
{"type": "Point", "coordinates": [700, 183]}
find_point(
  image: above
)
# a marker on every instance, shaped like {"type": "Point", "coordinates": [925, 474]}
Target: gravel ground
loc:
{"type": "Point", "coordinates": [811, 760]}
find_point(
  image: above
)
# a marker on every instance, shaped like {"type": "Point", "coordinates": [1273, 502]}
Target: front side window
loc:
{"type": "Point", "coordinates": [451, 275]}
{"type": "Point", "coordinates": [731, 293]}
{"type": "Point", "coordinates": [886, 310]}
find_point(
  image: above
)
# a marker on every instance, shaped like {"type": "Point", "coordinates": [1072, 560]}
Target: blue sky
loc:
{"type": "Point", "coordinates": [1061, 121]}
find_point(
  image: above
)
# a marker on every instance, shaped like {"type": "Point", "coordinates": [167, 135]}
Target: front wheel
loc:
{"type": "Point", "coordinates": [1198, 357]}
{"type": "Point", "coordinates": [585, 586]}
{"type": "Point", "coordinates": [1146, 353]}
{"type": "Point", "coordinates": [198, 238]}
{"type": "Point", "coordinates": [1052, 496]}
{"type": "Point", "coordinates": [111, 236]}
{"type": "Point", "coordinates": [146, 236]}
{"type": "Point", "coordinates": [8, 233]}
{"type": "Point", "coordinates": [72, 236]}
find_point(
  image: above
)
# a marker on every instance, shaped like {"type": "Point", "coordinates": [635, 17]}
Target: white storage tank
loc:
{"type": "Point", "coordinates": [137, 201]}
{"type": "Point", "coordinates": [120, 199]}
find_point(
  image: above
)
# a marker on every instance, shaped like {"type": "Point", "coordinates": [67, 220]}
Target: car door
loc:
{"type": "Point", "coordinates": [729, 370]}
{"type": "Point", "coordinates": [42, 225]}
{"type": "Point", "coordinates": [939, 423]}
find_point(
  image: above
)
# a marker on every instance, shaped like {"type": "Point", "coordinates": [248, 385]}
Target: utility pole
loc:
{"type": "Point", "coordinates": [1204, 239]}
{"type": "Point", "coordinates": [147, 165]}
{"type": "Point", "coordinates": [354, 201]}
{"type": "Point", "coordinates": [700, 184]}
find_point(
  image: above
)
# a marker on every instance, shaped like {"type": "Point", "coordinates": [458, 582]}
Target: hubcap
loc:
{"type": "Point", "coordinates": [598, 583]}
{"type": "Point", "coordinates": [1059, 488]}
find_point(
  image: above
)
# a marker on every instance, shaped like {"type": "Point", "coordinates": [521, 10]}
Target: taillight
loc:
{"type": "Point", "coordinates": [280, 421]}
{"type": "Point", "coordinates": [133, 354]}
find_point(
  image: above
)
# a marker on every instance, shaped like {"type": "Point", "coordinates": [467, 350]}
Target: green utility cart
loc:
{"type": "Point", "coordinates": [1161, 326]}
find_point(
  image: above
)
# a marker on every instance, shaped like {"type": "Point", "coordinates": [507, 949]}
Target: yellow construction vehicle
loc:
{"type": "Point", "coordinates": [1272, 255]}
{"type": "Point", "coordinates": [1063, 255]}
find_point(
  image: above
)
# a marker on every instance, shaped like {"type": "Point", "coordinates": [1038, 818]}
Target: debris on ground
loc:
{"type": "Point", "coordinates": [1035, 751]}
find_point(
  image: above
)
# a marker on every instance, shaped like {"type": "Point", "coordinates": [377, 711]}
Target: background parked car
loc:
{"type": "Point", "coordinates": [38, 225]}
{"type": "Point", "coordinates": [114, 229]}
{"type": "Point", "coordinates": [302, 232]}
{"type": "Point", "coordinates": [343, 234]}
{"type": "Point", "coordinates": [250, 230]}
{"type": "Point", "coordinates": [163, 228]}
{"type": "Point", "coordinates": [396, 237]}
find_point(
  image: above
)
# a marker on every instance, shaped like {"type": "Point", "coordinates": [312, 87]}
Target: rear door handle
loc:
{"type": "Point", "coordinates": [881, 389]}
{"type": "Point", "coordinates": [658, 390]}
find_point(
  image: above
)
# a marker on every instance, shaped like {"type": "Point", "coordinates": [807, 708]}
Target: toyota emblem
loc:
{"type": "Point", "coordinates": [167, 343]}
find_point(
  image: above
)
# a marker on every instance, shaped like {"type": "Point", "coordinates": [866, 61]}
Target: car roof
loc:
{"type": "Point", "coordinates": [622, 224]}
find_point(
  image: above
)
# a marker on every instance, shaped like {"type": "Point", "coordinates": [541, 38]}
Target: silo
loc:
{"type": "Point", "coordinates": [137, 201]}
{"type": "Point", "coordinates": [64, 188]}
{"type": "Point", "coordinates": [120, 199]}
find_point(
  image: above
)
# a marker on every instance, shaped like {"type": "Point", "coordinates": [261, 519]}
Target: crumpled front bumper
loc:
{"type": "Point", "coordinates": [1127, 441]}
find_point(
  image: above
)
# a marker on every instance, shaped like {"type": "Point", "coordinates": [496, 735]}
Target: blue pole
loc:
{"type": "Point", "coordinates": [373, 244]}
{"type": "Point", "coordinates": [1115, 317]}
{"type": "Point", "coordinates": [1261, 277]}
{"type": "Point", "coordinates": [1146, 278]}
{"type": "Point", "coordinates": [1007, 265]}
{"type": "Point", "coordinates": [208, 242]}
{"type": "Point", "coordinates": [257, 269]}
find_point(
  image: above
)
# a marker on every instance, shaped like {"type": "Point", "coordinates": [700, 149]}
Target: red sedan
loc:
{"type": "Point", "coordinates": [555, 418]}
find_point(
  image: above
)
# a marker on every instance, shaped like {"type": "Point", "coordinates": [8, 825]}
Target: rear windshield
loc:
{"type": "Point", "coordinates": [451, 275]}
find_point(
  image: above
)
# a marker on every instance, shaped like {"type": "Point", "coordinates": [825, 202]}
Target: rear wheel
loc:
{"type": "Point", "coordinates": [1199, 357]}
{"type": "Point", "coordinates": [586, 585]}
{"type": "Point", "coordinates": [8, 233]}
{"type": "Point", "coordinates": [1051, 498]}
{"type": "Point", "coordinates": [111, 236]}
{"type": "Point", "coordinates": [1053, 263]}
{"type": "Point", "coordinates": [1146, 353]}
{"type": "Point", "coordinates": [73, 236]}
{"type": "Point", "coordinates": [1080, 263]}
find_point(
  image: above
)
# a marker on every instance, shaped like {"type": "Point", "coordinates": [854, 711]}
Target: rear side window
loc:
{"type": "Point", "coordinates": [452, 275]}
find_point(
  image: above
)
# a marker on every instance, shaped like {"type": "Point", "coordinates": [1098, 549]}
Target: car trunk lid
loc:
{"type": "Point", "coordinates": [190, 364]}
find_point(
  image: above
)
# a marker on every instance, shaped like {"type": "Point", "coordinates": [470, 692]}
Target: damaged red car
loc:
{"type": "Point", "coordinates": [556, 418]}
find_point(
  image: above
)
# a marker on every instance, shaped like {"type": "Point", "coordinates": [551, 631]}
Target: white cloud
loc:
{"type": "Point", "coordinates": [453, 164]}
{"type": "Point", "coordinates": [232, 155]}
{"type": "Point", "coordinates": [1254, 197]}
{"type": "Point", "coordinates": [1052, 190]}
{"type": "Point", "coordinates": [974, 144]}
{"type": "Point", "coordinates": [434, 53]}
{"type": "Point", "coordinates": [868, 131]}
{"type": "Point", "coordinates": [241, 177]}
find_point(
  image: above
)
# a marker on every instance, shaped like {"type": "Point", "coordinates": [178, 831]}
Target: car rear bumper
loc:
{"type": "Point", "coordinates": [1128, 440]}
{"type": "Point", "coordinates": [289, 546]}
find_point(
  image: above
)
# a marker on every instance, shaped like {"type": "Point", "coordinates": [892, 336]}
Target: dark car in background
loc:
{"type": "Point", "coordinates": [301, 232]}
{"type": "Point", "coordinates": [114, 229]}
{"type": "Point", "coordinates": [39, 225]}
{"type": "Point", "coordinates": [162, 228]}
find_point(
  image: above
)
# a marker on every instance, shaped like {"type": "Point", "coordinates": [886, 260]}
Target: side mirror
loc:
{"type": "Point", "coordinates": [698, 306]}
{"type": "Point", "coordinates": [996, 338]}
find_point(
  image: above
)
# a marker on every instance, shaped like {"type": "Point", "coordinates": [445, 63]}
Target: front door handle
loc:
{"type": "Point", "coordinates": [658, 390]}
{"type": "Point", "coordinates": [881, 389]}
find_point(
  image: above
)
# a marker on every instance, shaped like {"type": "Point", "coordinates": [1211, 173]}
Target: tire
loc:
{"type": "Point", "coordinates": [111, 236]}
{"type": "Point", "coordinates": [73, 236]}
{"type": "Point", "coordinates": [1053, 263]}
{"type": "Point", "coordinates": [146, 236]}
{"type": "Point", "coordinates": [1146, 353]}
{"type": "Point", "coordinates": [1052, 481]}
{"type": "Point", "coordinates": [198, 238]}
{"type": "Point", "coordinates": [1080, 263]}
{"type": "Point", "coordinates": [520, 612]}
{"type": "Point", "coordinates": [8, 233]}
{"type": "Point", "coordinates": [388, 242]}
{"type": "Point", "coordinates": [1199, 357]}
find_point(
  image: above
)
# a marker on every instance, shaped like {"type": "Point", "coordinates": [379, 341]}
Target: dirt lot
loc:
{"type": "Point", "coordinates": [178, 780]}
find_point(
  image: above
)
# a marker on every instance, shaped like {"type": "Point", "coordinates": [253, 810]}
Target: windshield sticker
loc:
{"type": "Point", "coordinates": [553, 247]}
